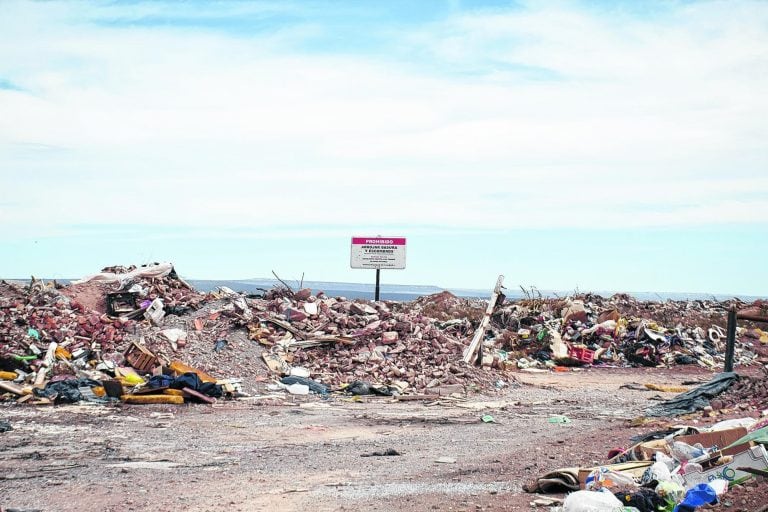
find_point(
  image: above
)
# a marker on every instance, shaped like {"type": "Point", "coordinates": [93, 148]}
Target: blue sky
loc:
{"type": "Point", "coordinates": [598, 145]}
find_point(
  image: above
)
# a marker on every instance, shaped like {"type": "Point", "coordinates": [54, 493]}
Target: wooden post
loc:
{"type": "Point", "coordinates": [480, 332]}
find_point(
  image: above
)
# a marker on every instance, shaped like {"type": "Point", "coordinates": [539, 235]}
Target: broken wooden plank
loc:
{"type": "Point", "coordinates": [285, 325]}
{"type": "Point", "coordinates": [12, 388]}
{"type": "Point", "coordinates": [469, 353]}
{"type": "Point", "coordinates": [24, 399]}
{"type": "Point", "coordinates": [196, 394]}
{"type": "Point", "coordinates": [754, 471]}
{"type": "Point", "coordinates": [316, 341]}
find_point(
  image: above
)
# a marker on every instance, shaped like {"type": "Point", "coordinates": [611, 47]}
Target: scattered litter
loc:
{"type": "Point", "coordinates": [695, 399]}
{"type": "Point", "coordinates": [310, 384]}
{"type": "Point", "coordinates": [389, 452]}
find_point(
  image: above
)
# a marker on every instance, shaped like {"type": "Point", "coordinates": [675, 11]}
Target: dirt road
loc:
{"type": "Point", "coordinates": [308, 455]}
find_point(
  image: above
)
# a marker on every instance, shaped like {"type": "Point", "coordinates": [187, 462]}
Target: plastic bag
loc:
{"type": "Point", "coordinates": [604, 478]}
{"type": "Point", "coordinates": [671, 492]}
{"type": "Point", "coordinates": [666, 460]}
{"type": "Point", "coordinates": [591, 501]}
{"type": "Point", "coordinates": [658, 472]}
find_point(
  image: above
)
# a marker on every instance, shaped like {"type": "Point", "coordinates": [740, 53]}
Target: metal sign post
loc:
{"type": "Point", "coordinates": [731, 339]}
{"type": "Point", "coordinates": [377, 252]}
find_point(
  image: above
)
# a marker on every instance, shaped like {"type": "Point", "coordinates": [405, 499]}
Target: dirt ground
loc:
{"type": "Point", "coordinates": [307, 454]}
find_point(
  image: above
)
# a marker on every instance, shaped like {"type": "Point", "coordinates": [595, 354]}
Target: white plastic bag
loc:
{"type": "Point", "coordinates": [591, 501]}
{"type": "Point", "coordinates": [658, 472]}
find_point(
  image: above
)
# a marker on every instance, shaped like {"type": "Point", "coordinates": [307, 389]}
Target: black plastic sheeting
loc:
{"type": "Point", "coordinates": [695, 399]}
{"type": "Point", "coordinates": [186, 380]}
{"type": "Point", "coordinates": [644, 500]}
{"type": "Point", "coordinates": [65, 391]}
{"type": "Point", "coordinates": [360, 387]}
{"type": "Point", "coordinates": [313, 385]}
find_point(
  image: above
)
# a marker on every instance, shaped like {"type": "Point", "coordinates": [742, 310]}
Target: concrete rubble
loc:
{"type": "Point", "coordinates": [133, 323]}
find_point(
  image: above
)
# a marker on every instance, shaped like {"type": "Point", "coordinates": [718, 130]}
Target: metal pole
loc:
{"type": "Point", "coordinates": [731, 339]}
{"type": "Point", "coordinates": [378, 274]}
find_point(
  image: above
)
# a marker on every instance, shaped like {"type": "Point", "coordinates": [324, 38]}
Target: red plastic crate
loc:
{"type": "Point", "coordinates": [581, 354]}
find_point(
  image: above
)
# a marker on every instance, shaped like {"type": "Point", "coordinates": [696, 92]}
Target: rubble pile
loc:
{"type": "Point", "coordinates": [749, 393]}
{"type": "Point", "coordinates": [148, 320]}
{"type": "Point", "coordinates": [341, 341]}
{"type": "Point", "coordinates": [619, 330]}
{"type": "Point", "coordinates": [32, 317]}
{"type": "Point", "coordinates": [395, 348]}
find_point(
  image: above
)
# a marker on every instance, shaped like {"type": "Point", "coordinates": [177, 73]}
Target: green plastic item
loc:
{"type": "Point", "coordinates": [487, 418]}
{"type": "Point", "coordinates": [541, 334]}
{"type": "Point", "coordinates": [33, 333]}
{"type": "Point", "coordinates": [559, 419]}
{"type": "Point", "coordinates": [760, 436]}
{"type": "Point", "coordinates": [24, 358]}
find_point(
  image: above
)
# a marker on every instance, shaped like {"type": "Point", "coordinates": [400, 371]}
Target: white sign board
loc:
{"type": "Point", "coordinates": [377, 252]}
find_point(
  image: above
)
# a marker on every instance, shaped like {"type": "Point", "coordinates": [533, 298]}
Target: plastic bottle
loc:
{"type": "Point", "coordinates": [605, 478]}
{"type": "Point", "coordinates": [684, 452]}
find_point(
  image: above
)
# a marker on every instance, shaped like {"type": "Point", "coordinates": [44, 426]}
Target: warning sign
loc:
{"type": "Point", "coordinates": [378, 252]}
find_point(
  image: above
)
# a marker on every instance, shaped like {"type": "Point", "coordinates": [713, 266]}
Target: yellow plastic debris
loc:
{"type": "Point", "coordinates": [62, 353]}
{"type": "Point", "coordinates": [178, 367]}
{"type": "Point", "coordinates": [666, 389]}
{"type": "Point", "coordinates": [152, 399]}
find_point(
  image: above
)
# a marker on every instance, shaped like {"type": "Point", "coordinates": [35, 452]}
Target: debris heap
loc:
{"type": "Point", "coordinates": [147, 319]}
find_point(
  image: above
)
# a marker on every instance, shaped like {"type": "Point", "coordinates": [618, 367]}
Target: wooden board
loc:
{"type": "Point", "coordinates": [469, 353]}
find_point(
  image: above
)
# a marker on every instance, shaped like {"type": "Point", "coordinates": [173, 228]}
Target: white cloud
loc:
{"type": "Point", "coordinates": [539, 117]}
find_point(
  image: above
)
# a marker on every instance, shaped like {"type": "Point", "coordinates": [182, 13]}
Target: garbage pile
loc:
{"type": "Point", "coordinates": [56, 349]}
{"type": "Point", "coordinates": [680, 468]}
{"type": "Point", "coordinates": [619, 330]}
{"type": "Point", "coordinates": [110, 324]}
{"type": "Point", "coordinates": [675, 468]}
{"type": "Point", "coordinates": [129, 326]}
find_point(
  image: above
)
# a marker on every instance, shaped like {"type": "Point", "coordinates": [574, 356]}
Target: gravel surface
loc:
{"type": "Point", "coordinates": [305, 454]}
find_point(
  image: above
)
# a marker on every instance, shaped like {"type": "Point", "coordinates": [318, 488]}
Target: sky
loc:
{"type": "Point", "coordinates": [594, 145]}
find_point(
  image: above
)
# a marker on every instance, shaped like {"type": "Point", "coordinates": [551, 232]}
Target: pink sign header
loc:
{"type": "Point", "coordinates": [377, 241]}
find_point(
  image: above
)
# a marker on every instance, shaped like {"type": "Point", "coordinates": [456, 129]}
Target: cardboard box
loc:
{"type": "Point", "coordinates": [721, 438]}
{"type": "Point", "coordinates": [648, 448]}
{"type": "Point", "coordinates": [752, 457]}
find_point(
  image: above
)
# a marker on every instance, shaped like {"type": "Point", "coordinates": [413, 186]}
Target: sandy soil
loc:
{"type": "Point", "coordinates": [292, 454]}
